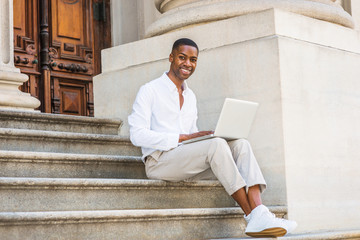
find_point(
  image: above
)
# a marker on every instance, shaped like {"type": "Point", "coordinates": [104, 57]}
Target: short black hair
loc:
{"type": "Point", "coordinates": [184, 41]}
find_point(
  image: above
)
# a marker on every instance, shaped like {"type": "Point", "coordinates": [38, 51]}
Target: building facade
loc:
{"type": "Point", "coordinates": [299, 59]}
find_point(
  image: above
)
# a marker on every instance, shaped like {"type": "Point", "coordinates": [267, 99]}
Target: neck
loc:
{"type": "Point", "coordinates": [178, 82]}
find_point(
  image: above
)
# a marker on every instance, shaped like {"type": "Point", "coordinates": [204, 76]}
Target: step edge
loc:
{"type": "Point", "coordinates": [26, 133]}
{"type": "Point", "coordinates": [329, 235]}
{"type": "Point", "coordinates": [26, 156]}
{"type": "Point", "coordinates": [46, 117]}
{"type": "Point", "coordinates": [335, 235]}
{"type": "Point", "coordinates": [25, 218]}
{"type": "Point", "coordinates": [101, 183]}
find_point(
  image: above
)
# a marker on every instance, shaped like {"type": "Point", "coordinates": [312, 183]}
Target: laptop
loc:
{"type": "Point", "coordinates": [234, 122]}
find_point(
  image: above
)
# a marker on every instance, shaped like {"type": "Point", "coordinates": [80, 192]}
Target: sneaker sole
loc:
{"type": "Point", "coordinates": [270, 232]}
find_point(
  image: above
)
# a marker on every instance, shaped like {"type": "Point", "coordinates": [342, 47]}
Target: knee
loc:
{"type": "Point", "coordinates": [219, 142]}
{"type": "Point", "coordinates": [242, 142]}
{"type": "Point", "coordinates": [241, 145]}
{"type": "Point", "coordinates": [219, 151]}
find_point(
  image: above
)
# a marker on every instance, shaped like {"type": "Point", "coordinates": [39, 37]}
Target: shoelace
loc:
{"type": "Point", "coordinates": [272, 215]}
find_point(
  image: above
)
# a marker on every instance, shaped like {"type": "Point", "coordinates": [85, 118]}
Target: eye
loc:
{"type": "Point", "coordinates": [194, 60]}
{"type": "Point", "coordinates": [182, 57]}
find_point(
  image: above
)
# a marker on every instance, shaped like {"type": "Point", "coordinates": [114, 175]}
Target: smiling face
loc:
{"type": "Point", "coordinates": [183, 62]}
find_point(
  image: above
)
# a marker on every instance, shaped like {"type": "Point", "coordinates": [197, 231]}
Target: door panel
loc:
{"type": "Point", "coordinates": [71, 36]}
{"type": "Point", "coordinates": [73, 98]}
{"type": "Point", "coordinates": [68, 19]}
{"type": "Point", "coordinates": [19, 21]}
{"type": "Point", "coordinates": [71, 56]}
{"type": "Point", "coordinates": [70, 97]}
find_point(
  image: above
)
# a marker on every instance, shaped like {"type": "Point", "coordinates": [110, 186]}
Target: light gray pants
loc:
{"type": "Point", "coordinates": [232, 163]}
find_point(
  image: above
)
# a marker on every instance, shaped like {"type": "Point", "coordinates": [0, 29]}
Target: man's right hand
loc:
{"type": "Point", "coordinates": [184, 137]}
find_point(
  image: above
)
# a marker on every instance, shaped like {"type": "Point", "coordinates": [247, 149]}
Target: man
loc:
{"type": "Point", "coordinates": [165, 114]}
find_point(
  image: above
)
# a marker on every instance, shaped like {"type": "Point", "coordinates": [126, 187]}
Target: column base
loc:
{"type": "Point", "coordinates": [11, 98]}
{"type": "Point", "coordinates": [200, 12]}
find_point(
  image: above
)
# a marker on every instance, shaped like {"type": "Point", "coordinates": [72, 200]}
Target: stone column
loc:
{"type": "Point", "coordinates": [10, 77]}
{"type": "Point", "coordinates": [178, 14]}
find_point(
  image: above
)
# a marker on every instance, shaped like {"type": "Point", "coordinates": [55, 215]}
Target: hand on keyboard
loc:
{"type": "Point", "coordinates": [184, 137]}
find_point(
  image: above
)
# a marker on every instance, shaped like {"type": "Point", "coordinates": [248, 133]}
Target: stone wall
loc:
{"type": "Point", "coordinates": [130, 19]}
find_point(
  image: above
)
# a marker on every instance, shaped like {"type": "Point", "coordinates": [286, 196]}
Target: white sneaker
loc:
{"type": "Point", "coordinates": [263, 223]}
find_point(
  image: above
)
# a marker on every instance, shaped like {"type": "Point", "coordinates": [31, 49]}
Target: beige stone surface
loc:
{"type": "Point", "coordinates": [69, 165]}
{"type": "Point", "coordinates": [69, 194]}
{"type": "Point", "coordinates": [321, 102]}
{"type": "Point", "coordinates": [166, 5]}
{"type": "Point", "coordinates": [6, 36]}
{"type": "Point", "coordinates": [124, 21]}
{"type": "Point", "coordinates": [159, 224]}
{"type": "Point", "coordinates": [355, 12]}
{"type": "Point", "coordinates": [306, 81]}
{"type": "Point", "coordinates": [252, 26]}
{"type": "Point", "coordinates": [331, 235]}
{"type": "Point", "coordinates": [65, 142]}
{"type": "Point", "coordinates": [130, 19]}
{"type": "Point", "coordinates": [10, 95]}
{"type": "Point", "coordinates": [57, 122]}
{"type": "Point", "coordinates": [49, 208]}
{"type": "Point", "coordinates": [178, 14]}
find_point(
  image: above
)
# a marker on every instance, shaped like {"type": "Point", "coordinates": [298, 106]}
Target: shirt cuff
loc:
{"type": "Point", "coordinates": [173, 140]}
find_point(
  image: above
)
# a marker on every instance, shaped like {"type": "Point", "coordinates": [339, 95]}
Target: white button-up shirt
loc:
{"type": "Point", "coordinates": [156, 120]}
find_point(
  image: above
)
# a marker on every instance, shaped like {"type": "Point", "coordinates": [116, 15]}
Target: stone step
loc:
{"type": "Point", "coordinates": [338, 235]}
{"type": "Point", "coordinates": [65, 142]}
{"type": "Point", "coordinates": [65, 165]}
{"type": "Point", "coordinates": [159, 224]}
{"type": "Point", "coordinates": [58, 122]}
{"type": "Point", "coordinates": [64, 194]}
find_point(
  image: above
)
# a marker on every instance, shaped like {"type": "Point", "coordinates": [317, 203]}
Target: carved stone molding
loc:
{"type": "Point", "coordinates": [182, 13]}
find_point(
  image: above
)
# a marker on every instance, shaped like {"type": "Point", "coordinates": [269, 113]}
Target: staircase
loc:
{"type": "Point", "coordinates": [66, 177]}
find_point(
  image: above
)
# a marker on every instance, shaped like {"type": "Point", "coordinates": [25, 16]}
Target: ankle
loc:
{"type": "Point", "coordinates": [247, 217]}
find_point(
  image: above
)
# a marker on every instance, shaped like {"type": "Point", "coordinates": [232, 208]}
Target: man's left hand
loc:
{"type": "Point", "coordinates": [184, 137]}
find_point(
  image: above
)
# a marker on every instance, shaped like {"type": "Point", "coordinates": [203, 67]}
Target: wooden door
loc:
{"type": "Point", "coordinates": [66, 52]}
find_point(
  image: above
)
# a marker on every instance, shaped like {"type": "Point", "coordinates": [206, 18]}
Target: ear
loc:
{"type": "Point", "coordinates": [171, 57]}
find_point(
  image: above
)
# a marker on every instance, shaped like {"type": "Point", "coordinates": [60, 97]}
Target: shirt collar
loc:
{"type": "Point", "coordinates": [172, 87]}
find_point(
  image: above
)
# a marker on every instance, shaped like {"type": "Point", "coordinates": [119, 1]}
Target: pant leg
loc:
{"type": "Point", "coordinates": [246, 163]}
{"type": "Point", "coordinates": [190, 160]}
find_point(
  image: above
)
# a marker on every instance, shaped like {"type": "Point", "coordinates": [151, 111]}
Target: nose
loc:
{"type": "Point", "coordinates": [187, 62]}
